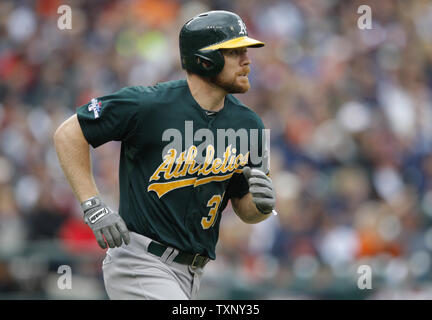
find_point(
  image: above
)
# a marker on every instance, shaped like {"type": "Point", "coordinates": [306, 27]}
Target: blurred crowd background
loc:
{"type": "Point", "coordinates": [350, 113]}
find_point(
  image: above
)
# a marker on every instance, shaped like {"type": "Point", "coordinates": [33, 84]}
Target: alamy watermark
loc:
{"type": "Point", "coordinates": [64, 282]}
{"type": "Point", "coordinates": [364, 281]}
{"type": "Point", "coordinates": [365, 20]}
{"type": "Point", "coordinates": [220, 145]}
{"type": "Point", "coordinates": [64, 22]}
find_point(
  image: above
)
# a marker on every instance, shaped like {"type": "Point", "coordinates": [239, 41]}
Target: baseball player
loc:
{"type": "Point", "coordinates": [173, 188]}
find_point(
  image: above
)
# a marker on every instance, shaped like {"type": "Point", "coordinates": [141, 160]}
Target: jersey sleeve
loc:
{"type": "Point", "coordinates": [111, 117]}
{"type": "Point", "coordinates": [258, 158]}
{"type": "Point", "coordinates": [238, 186]}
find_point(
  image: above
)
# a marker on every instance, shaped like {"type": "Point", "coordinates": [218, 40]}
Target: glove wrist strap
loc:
{"type": "Point", "coordinates": [91, 203]}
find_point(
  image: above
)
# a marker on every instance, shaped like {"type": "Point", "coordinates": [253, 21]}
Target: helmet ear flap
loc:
{"type": "Point", "coordinates": [204, 62]}
{"type": "Point", "coordinates": [209, 64]}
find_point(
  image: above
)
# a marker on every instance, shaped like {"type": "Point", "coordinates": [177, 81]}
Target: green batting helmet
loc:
{"type": "Point", "coordinates": [203, 36]}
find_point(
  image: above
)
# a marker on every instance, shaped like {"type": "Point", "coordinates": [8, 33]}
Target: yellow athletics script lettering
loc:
{"type": "Point", "coordinates": [185, 164]}
{"type": "Point", "coordinates": [166, 166]}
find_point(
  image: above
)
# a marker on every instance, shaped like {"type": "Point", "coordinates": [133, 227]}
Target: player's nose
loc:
{"type": "Point", "coordinates": [245, 60]}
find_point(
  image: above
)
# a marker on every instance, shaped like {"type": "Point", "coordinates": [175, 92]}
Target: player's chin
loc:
{"type": "Point", "coordinates": [242, 85]}
{"type": "Point", "coordinates": [236, 86]}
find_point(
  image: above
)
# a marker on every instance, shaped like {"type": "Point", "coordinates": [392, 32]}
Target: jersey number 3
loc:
{"type": "Point", "coordinates": [213, 203]}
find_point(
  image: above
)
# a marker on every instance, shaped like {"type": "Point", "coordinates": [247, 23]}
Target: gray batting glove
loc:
{"type": "Point", "coordinates": [105, 223]}
{"type": "Point", "coordinates": [261, 189]}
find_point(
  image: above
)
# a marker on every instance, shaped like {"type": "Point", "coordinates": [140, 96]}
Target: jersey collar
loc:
{"type": "Point", "coordinates": [202, 111]}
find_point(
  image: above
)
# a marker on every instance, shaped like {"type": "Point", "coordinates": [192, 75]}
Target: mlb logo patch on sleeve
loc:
{"type": "Point", "coordinates": [95, 106]}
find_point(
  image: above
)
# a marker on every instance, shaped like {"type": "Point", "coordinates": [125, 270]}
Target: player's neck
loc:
{"type": "Point", "coordinates": [209, 96]}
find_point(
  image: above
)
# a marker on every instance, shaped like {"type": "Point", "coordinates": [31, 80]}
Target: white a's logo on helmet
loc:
{"type": "Point", "coordinates": [242, 27]}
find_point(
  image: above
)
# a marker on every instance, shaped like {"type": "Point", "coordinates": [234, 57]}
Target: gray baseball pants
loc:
{"type": "Point", "coordinates": [131, 272]}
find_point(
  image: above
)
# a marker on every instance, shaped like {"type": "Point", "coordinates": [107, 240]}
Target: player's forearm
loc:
{"type": "Point", "coordinates": [247, 211]}
{"type": "Point", "coordinates": [74, 156]}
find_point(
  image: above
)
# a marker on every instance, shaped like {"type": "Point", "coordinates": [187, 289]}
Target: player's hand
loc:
{"type": "Point", "coordinates": [261, 189]}
{"type": "Point", "coordinates": [105, 223]}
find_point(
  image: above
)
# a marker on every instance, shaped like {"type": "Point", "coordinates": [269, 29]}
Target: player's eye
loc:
{"type": "Point", "coordinates": [230, 52]}
{"type": "Point", "coordinates": [236, 52]}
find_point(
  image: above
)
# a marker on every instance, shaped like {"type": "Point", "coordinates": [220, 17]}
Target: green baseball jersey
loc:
{"type": "Point", "coordinates": [179, 165]}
